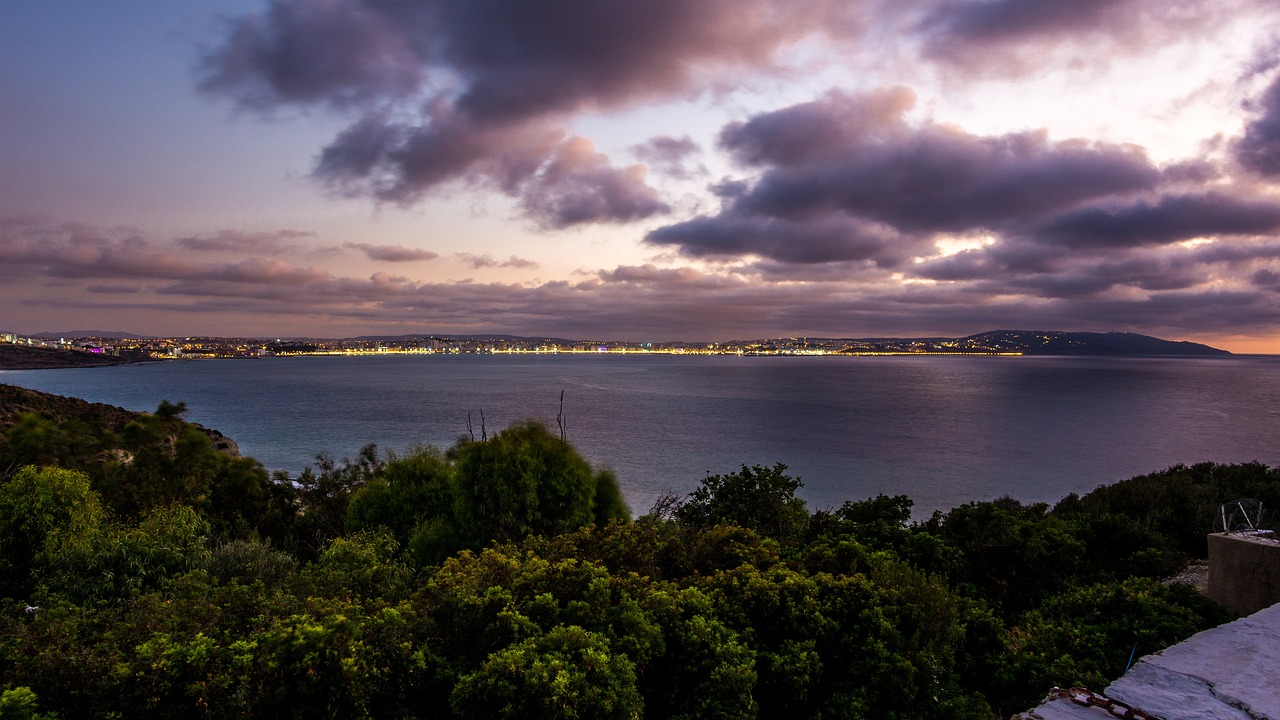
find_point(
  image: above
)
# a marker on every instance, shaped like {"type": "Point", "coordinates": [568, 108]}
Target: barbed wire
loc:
{"type": "Point", "coordinates": [1080, 696]}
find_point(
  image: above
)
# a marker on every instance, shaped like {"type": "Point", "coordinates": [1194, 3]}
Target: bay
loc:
{"type": "Point", "coordinates": [943, 430]}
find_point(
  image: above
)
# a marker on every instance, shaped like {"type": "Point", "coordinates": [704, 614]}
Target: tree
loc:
{"type": "Point", "coordinates": [568, 673]}
{"type": "Point", "coordinates": [33, 440]}
{"type": "Point", "coordinates": [324, 498]}
{"type": "Point", "coordinates": [408, 491]}
{"type": "Point", "coordinates": [44, 512]}
{"type": "Point", "coordinates": [525, 480]}
{"type": "Point", "coordinates": [21, 704]}
{"type": "Point", "coordinates": [761, 498]}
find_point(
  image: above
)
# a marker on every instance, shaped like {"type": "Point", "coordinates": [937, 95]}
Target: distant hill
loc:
{"type": "Point", "coordinates": [1034, 342]}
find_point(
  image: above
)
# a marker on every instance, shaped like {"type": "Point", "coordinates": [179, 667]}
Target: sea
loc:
{"type": "Point", "coordinates": [942, 430]}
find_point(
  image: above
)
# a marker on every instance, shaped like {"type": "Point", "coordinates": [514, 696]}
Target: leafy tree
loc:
{"type": "Point", "coordinates": [33, 440]}
{"type": "Point", "coordinates": [366, 564]}
{"type": "Point", "coordinates": [249, 561]}
{"type": "Point", "coordinates": [121, 562]}
{"type": "Point", "coordinates": [242, 500]}
{"type": "Point", "coordinates": [162, 461]}
{"type": "Point", "coordinates": [566, 674]}
{"type": "Point", "coordinates": [21, 704]}
{"type": "Point", "coordinates": [407, 492]}
{"type": "Point", "coordinates": [761, 498]}
{"type": "Point", "coordinates": [526, 480]}
{"type": "Point", "coordinates": [609, 504]}
{"type": "Point", "coordinates": [1013, 555]}
{"type": "Point", "coordinates": [1086, 636]}
{"type": "Point", "coordinates": [45, 513]}
{"type": "Point", "coordinates": [1181, 503]}
{"type": "Point", "coordinates": [325, 498]}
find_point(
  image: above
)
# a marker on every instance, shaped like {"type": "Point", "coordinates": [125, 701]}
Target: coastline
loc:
{"type": "Point", "coordinates": [20, 357]}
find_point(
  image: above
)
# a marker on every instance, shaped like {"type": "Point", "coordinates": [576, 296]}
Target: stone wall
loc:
{"type": "Point", "coordinates": [1244, 571]}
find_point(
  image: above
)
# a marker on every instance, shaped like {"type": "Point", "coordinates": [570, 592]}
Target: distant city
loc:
{"type": "Point", "coordinates": [999, 342]}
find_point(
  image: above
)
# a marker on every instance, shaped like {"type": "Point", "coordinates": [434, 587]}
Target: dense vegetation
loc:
{"type": "Point", "coordinates": [144, 574]}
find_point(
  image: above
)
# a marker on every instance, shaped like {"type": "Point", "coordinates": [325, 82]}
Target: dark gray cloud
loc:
{"type": "Point", "coordinates": [670, 156]}
{"type": "Point", "coordinates": [845, 177]}
{"type": "Point", "coordinates": [1017, 37]}
{"type": "Point", "coordinates": [480, 89]}
{"type": "Point", "coordinates": [822, 240]}
{"type": "Point", "coordinates": [985, 21]}
{"type": "Point", "coordinates": [578, 185]}
{"type": "Point", "coordinates": [1259, 148]}
{"type": "Point", "coordinates": [1172, 218]}
{"type": "Point", "coordinates": [855, 154]}
{"type": "Point", "coordinates": [393, 253]}
{"type": "Point", "coordinates": [503, 59]}
{"type": "Point", "coordinates": [401, 163]}
{"type": "Point", "coordinates": [337, 52]}
{"type": "Point", "coordinates": [1266, 278]}
{"type": "Point", "coordinates": [849, 200]}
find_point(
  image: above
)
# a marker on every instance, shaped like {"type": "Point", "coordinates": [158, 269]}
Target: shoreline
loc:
{"type": "Point", "coordinates": [20, 357]}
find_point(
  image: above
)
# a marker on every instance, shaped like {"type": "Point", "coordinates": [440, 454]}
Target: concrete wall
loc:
{"type": "Point", "coordinates": [1244, 571]}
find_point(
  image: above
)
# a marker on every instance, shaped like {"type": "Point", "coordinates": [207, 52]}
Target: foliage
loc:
{"type": "Point", "coordinates": [757, 497]}
{"type": "Point", "coordinates": [125, 560]}
{"type": "Point", "coordinates": [503, 578]}
{"type": "Point", "coordinates": [249, 561]}
{"type": "Point", "coordinates": [1180, 504]}
{"type": "Point", "coordinates": [45, 514]}
{"type": "Point", "coordinates": [326, 496]}
{"type": "Point", "coordinates": [1014, 555]}
{"type": "Point", "coordinates": [140, 462]}
{"type": "Point", "coordinates": [565, 674]}
{"type": "Point", "coordinates": [527, 481]}
{"type": "Point", "coordinates": [407, 491]}
{"type": "Point", "coordinates": [21, 704]}
{"type": "Point", "coordinates": [1086, 636]}
{"type": "Point", "coordinates": [33, 440]}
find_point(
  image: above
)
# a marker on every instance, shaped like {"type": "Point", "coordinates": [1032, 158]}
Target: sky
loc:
{"type": "Point", "coordinates": [642, 169]}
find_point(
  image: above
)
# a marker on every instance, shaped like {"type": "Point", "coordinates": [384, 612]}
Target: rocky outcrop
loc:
{"type": "Point", "coordinates": [16, 401]}
{"type": "Point", "coordinates": [221, 443]}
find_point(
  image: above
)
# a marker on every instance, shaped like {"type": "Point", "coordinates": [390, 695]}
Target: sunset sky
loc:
{"type": "Point", "coordinates": [642, 169]}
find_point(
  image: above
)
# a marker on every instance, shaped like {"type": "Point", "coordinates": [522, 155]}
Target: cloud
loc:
{"type": "Point", "coordinates": [1017, 37]}
{"type": "Point", "coordinates": [393, 253]}
{"type": "Point", "coordinates": [846, 177]}
{"type": "Point", "coordinates": [891, 224]}
{"type": "Point", "coordinates": [670, 155]}
{"type": "Point", "coordinates": [338, 52]}
{"type": "Point", "coordinates": [402, 162]}
{"type": "Point", "coordinates": [969, 22]}
{"type": "Point", "coordinates": [1259, 148]}
{"type": "Point", "coordinates": [929, 178]}
{"type": "Point", "coordinates": [577, 185]}
{"type": "Point", "coordinates": [477, 262]}
{"type": "Point", "coordinates": [822, 240]}
{"type": "Point", "coordinates": [229, 240]}
{"type": "Point", "coordinates": [1212, 288]}
{"type": "Point", "coordinates": [466, 90]}
{"type": "Point", "coordinates": [77, 251]}
{"type": "Point", "coordinates": [1171, 219]}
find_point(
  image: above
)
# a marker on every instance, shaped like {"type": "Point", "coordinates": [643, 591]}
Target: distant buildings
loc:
{"type": "Point", "coordinates": [192, 348]}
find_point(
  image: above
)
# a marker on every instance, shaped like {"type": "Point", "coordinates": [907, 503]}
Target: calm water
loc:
{"type": "Point", "coordinates": [942, 430]}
